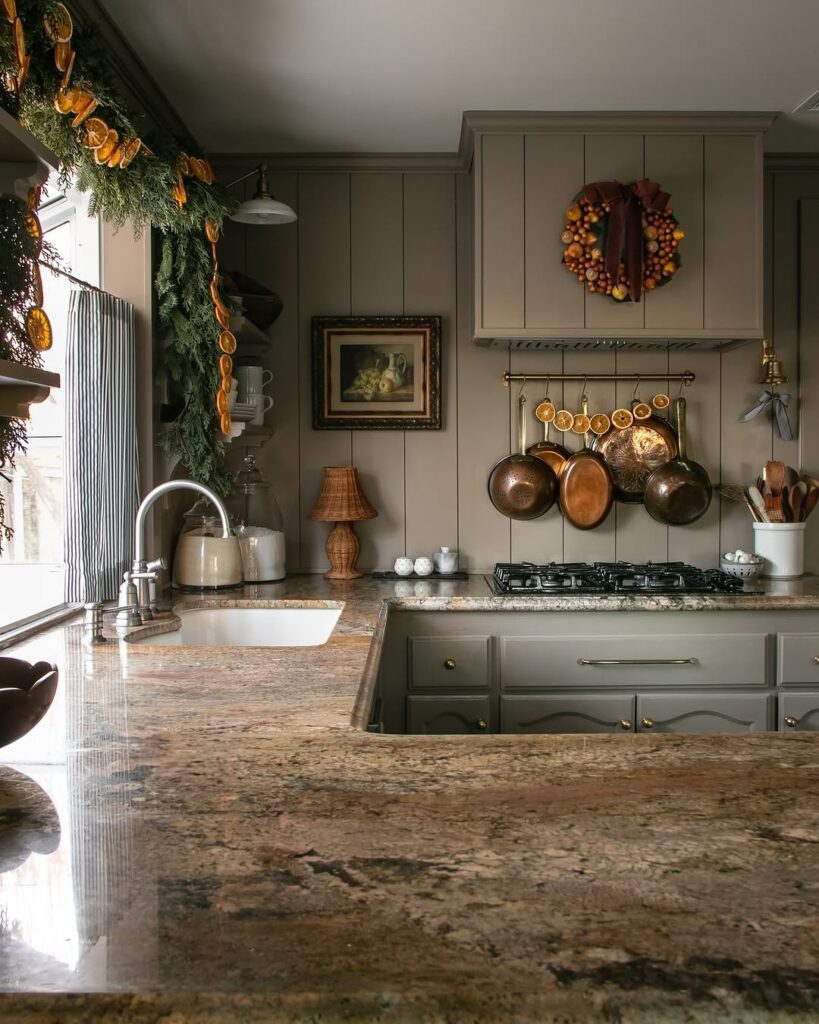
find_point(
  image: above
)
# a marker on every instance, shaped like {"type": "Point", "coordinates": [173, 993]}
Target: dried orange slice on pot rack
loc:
{"type": "Point", "coordinates": [661, 400]}
{"type": "Point", "coordinates": [580, 423]}
{"type": "Point", "coordinates": [546, 411]}
{"type": "Point", "coordinates": [599, 423]}
{"type": "Point", "coordinates": [622, 418]}
{"type": "Point", "coordinates": [564, 420]}
{"type": "Point", "coordinates": [641, 411]}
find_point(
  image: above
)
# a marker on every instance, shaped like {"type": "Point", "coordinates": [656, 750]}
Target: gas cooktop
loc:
{"type": "Point", "coordinates": [613, 578]}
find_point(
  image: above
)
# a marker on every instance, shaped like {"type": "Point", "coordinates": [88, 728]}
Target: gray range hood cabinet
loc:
{"type": "Point", "coordinates": [527, 167]}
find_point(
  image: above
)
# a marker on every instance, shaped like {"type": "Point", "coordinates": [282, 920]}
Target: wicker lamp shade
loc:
{"type": "Point", "coordinates": [341, 502]}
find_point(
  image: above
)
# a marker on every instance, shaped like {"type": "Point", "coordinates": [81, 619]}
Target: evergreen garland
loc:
{"type": "Point", "coordinates": [142, 193]}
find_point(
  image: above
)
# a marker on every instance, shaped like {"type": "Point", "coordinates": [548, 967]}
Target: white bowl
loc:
{"type": "Point", "coordinates": [743, 570]}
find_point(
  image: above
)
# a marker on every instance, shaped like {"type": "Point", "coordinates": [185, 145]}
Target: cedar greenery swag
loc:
{"type": "Point", "coordinates": [55, 79]}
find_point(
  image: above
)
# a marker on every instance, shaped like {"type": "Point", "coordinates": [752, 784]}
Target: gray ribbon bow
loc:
{"type": "Point", "coordinates": [779, 408]}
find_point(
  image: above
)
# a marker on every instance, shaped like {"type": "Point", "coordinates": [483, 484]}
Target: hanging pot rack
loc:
{"type": "Point", "coordinates": [686, 378]}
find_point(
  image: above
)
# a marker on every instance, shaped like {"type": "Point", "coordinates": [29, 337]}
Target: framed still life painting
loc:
{"type": "Point", "coordinates": [377, 372]}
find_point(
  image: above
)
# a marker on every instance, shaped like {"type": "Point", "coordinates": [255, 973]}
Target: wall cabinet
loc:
{"type": "Point", "coordinates": [594, 672]}
{"type": "Point", "coordinates": [526, 170]}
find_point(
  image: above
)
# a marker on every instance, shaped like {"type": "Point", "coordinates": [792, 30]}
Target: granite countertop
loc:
{"type": "Point", "coordinates": [216, 839]}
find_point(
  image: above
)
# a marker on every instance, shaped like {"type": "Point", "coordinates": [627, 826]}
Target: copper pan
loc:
{"type": "Point", "coordinates": [586, 489]}
{"type": "Point", "coordinates": [521, 486]}
{"type": "Point", "coordinates": [555, 455]}
{"type": "Point", "coordinates": [678, 492]}
{"type": "Point", "coordinates": [634, 452]}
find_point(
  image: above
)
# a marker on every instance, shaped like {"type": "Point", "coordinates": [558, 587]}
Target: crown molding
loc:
{"type": "Point", "coordinates": [791, 163]}
{"type": "Point", "coordinates": [339, 163]}
{"type": "Point", "coordinates": [137, 81]}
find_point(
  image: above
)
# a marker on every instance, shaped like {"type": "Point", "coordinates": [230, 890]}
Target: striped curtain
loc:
{"type": "Point", "coordinates": [101, 471]}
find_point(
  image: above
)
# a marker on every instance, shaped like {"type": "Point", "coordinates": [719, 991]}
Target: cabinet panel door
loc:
{"type": "Point", "coordinates": [797, 658]}
{"type": "Point", "coordinates": [799, 712]}
{"type": "Point", "coordinates": [568, 714]}
{"type": "Point", "coordinates": [455, 661]}
{"type": "Point", "coordinates": [703, 712]}
{"type": "Point", "coordinates": [501, 217]}
{"type": "Point", "coordinates": [595, 661]}
{"type": "Point", "coordinates": [447, 716]}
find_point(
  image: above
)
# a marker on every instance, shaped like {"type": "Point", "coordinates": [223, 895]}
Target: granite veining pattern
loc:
{"type": "Point", "coordinates": [233, 848]}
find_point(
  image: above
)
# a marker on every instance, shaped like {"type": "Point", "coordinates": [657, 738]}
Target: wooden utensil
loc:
{"type": "Point", "coordinates": [785, 504]}
{"type": "Point", "coordinates": [586, 488]}
{"type": "Point", "coordinates": [521, 486]}
{"type": "Point", "coordinates": [758, 502]}
{"type": "Point", "coordinates": [774, 476]}
{"type": "Point", "coordinates": [679, 492]}
{"type": "Point", "coordinates": [797, 497]}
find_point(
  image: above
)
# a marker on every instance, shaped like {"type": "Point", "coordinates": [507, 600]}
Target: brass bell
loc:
{"type": "Point", "coordinates": [772, 372]}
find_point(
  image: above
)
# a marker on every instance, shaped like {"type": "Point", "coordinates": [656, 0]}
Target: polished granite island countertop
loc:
{"type": "Point", "coordinates": [216, 839]}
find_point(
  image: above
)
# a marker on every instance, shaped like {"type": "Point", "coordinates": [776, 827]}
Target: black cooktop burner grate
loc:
{"type": "Point", "coordinates": [612, 578]}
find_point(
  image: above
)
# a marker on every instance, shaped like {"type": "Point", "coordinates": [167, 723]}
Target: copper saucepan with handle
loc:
{"type": "Point", "coordinates": [522, 486]}
{"type": "Point", "coordinates": [586, 489]}
{"type": "Point", "coordinates": [678, 492]}
{"type": "Point", "coordinates": [548, 451]}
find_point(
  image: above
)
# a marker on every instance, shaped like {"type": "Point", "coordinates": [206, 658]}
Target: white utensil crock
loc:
{"type": "Point", "coordinates": [782, 545]}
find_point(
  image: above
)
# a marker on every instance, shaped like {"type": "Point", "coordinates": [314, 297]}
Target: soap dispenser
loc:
{"type": "Point", "coordinates": [258, 522]}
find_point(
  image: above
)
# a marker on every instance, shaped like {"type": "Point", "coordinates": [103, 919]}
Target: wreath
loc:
{"type": "Point", "coordinates": [622, 240]}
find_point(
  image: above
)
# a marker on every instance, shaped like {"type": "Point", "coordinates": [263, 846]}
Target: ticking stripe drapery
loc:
{"type": "Point", "coordinates": [101, 472]}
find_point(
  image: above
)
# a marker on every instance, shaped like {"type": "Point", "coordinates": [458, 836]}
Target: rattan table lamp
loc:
{"type": "Point", "coordinates": [342, 502]}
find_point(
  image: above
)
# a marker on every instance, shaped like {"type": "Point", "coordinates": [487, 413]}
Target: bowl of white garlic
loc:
{"type": "Point", "coordinates": [744, 564]}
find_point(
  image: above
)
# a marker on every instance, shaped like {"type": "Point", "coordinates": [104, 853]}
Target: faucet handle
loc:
{"type": "Point", "coordinates": [157, 564]}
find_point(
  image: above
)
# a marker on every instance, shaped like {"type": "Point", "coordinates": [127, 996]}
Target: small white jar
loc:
{"type": "Point", "coordinates": [423, 566]}
{"type": "Point", "coordinates": [446, 561]}
{"type": "Point", "coordinates": [403, 566]}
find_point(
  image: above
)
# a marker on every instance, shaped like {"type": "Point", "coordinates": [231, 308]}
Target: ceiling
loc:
{"type": "Point", "coordinates": [390, 76]}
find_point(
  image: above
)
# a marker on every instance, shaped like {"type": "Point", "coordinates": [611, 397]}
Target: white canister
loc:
{"type": "Point", "coordinates": [446, 561]}
{"type": "Point", "coordinates": [423, 566]}
{"type": "Point", "coordinates": [403, 566]}
{"type": "Point", "coordinates": [782, 545]}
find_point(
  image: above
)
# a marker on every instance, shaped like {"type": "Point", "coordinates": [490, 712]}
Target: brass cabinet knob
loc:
{"type": "Point", "coordinates": [790, 721]}
{"type": "Point", "coordinates": [449, 663]}
{"type": "Point", "coordinates": [480, 724]}
{"type": "Point", "coordinates": [647, 723]}
{"type": "Point", "coordinates": [816, 658]}
{"type": "Point", "coordinates": [625, 723]}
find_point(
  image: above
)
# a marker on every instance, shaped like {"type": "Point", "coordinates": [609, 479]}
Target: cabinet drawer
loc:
{"type": "Point", "coordinates": [797, 658]}
{"type": "Point", "coordinates": [447, 716]}
{"type": "Point", "coordinates": [635, 661]}
{"type": "Point", "coordinates": [568, 714]}
{"type": "Point", "coordinates": [799, 712]}
{"type": "Point", "coordinates": [439, 661]}
{"type": "Point", "coordinates": [703, 712]}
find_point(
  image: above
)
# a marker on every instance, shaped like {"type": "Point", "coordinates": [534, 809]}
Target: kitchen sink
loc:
{"type": "Point", "coordinates": [281, 626]}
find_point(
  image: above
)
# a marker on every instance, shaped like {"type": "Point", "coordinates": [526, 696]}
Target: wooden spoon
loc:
{"type": "Point", "coordinates": [774, 476]}
{"type": "Point", "coordinates": [758, 502]}
{"type": "Point", "coordinates": [797, 497]}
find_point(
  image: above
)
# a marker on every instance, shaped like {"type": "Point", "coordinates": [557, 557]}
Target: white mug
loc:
{"type": "Point", "coordinates": [234, 393]}
{"type": "Point", "coordinates": [263, 403]}
{"type": "Point", "coordinates": [252, 381]}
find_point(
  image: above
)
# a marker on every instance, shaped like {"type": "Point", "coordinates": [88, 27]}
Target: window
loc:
{"type": "Point", "coordinates": [32, 567]}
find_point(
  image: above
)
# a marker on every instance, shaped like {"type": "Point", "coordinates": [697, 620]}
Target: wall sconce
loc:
{"type": "Point", "coordinates": [262, 208]}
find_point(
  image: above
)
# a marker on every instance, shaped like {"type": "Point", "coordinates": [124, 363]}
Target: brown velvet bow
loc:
{"type": "Point", "coordinates": [625, 229]}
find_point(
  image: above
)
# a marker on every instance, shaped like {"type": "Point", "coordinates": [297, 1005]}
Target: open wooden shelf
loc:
{"type": "Point", "coordinates": [23, 386]}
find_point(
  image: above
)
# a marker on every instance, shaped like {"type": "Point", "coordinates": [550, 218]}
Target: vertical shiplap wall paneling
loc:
{"type": "Point", "coordinates": [502, 253]}
{"type": "Point", "coordinates": [324, 288]}
{"type": "Point", "coordinates": [809, 345]}
{"type": "Point", "coordinates": [377, 288]}
{"type": "Point", "coordinates": [272, 259]}
{"type": "Point", "coordinates": [483, 413]}
{"type": "Point", "coordinates": [430, 287]}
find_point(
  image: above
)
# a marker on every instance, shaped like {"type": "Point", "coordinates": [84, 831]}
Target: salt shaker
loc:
{"type": "Point", "coordinates": [403, 566]}
{"type": "Point", "coordinates": [423, 566]}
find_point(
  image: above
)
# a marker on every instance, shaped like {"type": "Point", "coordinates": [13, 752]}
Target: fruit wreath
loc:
{"type": "Point", "coordinates": [622, 240]}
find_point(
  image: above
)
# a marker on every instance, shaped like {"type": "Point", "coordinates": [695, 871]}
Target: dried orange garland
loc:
{"type": "Point", "coordinates": [227, 340]}
{"type": "Point", "coordinates": [38, 326]}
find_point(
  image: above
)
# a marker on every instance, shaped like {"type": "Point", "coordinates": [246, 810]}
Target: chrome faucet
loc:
{"type": "Point", "coordinates": [136, 602]}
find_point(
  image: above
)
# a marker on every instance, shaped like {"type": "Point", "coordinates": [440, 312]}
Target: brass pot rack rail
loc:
{"type": "Point", "coordinates": [686, 377]}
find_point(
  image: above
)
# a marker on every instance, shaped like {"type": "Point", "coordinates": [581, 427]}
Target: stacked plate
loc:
{"type": "Point", "coordinates": [244, 411]}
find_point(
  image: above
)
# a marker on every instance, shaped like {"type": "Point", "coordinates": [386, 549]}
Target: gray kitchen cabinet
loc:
{"type": "Point", "coordinates": [703, 712]}
{"type": "Point", "coordinates": [799, 712]}
{"type": "Point", "coordinates": [798, 658]}
{"type": "Point", "coordinates": [577, 713]}
{"type": "Point", "coordinates": [449, 662]}
{"type": "Point", "coordinates": [447, 716]}
{"type": "Point", "coordinates": [526, 171]}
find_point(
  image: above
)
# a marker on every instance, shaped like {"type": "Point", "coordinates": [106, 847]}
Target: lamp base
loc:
{"type": "Point", "coordinates": [342, 549]}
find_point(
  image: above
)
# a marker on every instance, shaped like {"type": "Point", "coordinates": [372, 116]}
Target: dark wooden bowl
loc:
{"type": "Point", "coordinates": [26, 693]}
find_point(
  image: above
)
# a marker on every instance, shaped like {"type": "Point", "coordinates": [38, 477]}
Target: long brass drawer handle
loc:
{"type": "Point", "coordinates": [636, 661]}
{"type": "Point", "coordinates": [790, 721]}
{"type": "Point", "coordinates": [449, 663]}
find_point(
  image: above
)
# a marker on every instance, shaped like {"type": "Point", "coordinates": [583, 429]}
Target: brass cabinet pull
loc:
{"type": "Point", "coordinates": [647, 723]}
{"type": "Point", "coordinates": [449, 663]}
{"type": "Point", "coordinates": [816, 658]}
{"type": "Point", "coordinates": [790, 721]}
{"type": "Point", "coordinates": [625, 723]}
{"type": "Point", "coordinates": [480, 724]}
{"type": "Point", "coordinates": [636, 661]}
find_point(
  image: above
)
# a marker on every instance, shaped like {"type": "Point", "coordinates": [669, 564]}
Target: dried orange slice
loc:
{"type": "Point", "coordinates": [58, 24]}
{"type": "Point", "coordinates": [214, 289]}
{"type": "Point", "coordinates": [115, 157]}
{"type": "Point", "coordinates": [195, 168]}
{"type": "Point", "coordinates": [85, 113]}
{"type": "Point", "coordinates": [641, 411]}
{"type": "Point", "coordinates": [221, 401]}
{"type": "Point", "coordinates": [222, 316]}
{"type": "Point", "coordinates": [22, 74]}
{"type": "Point", "coordinates": [213, 255]}
{"type": "Point", "coordinates": [207, 170]}
{"type": "Point", "coordinates": [546, 411]}
{"type": "Point", "coordinates": [10, 7]}
{"type": "Point", "coordinates": [227, 342]}
{"type": "Point", "coordinates": [179, 193]}
{"type": "Point", "coordinates": [183, 164]}
{"type": "Point", "coordinates": [580, 423]}
{"type": "Point", "coordinates": [103, 152]}
{"type": "Point", "coordinates": [33, 200]}
{"type": "Point", "coordinates": [64, 99]}
{"type": "Point", "coordinates": [37, 287]}
{"type": "Point", "coordinates": [130, 148]}
{"type": "Point", "coordinates": [599, 423]}
{"type": "Point", "coordinates": [63, 54]}
{"type": "Point", "coordinates": [38, 329]}
{"type": "Point", "coordinates": [225, 365]}
{"type": "Point", "coordinates": [661, 401]}
{"type": "Point", "coordinates": [96, 132]}
{"type": "Point", "coordinates": [19, 41]}
{"type": "Point", "coordinates": [225, 423]}
{"type": "Point", "coordinates": [67, 73]}
{"type": "Point", "coordinates": [622, 418]}
{"type": "Point", "coordinates": [211, 230]}
{"type": "Point", "coordinates": [564, 420]}
{"type": "Point", "coordinates": [33, 227]}
{"type": "Point", "coordinates": [227, 384]}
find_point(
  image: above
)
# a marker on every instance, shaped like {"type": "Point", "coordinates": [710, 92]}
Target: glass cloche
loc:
{"type": "Point", "coordinates": [257, 520]}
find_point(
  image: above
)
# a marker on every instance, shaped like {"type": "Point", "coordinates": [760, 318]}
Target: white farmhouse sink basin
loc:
{"type": "Point", "coordinates": [249, 627]}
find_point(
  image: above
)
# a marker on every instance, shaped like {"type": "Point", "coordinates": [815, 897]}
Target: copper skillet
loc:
{"type": "Point", "coordinates": [586, 490]}
{"type": "Point", "coordinates": [521, 486]}
{"type": "Point", "coordinates": [553, 454]}
{"type": "Point", "coordinates": [633, 453]}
